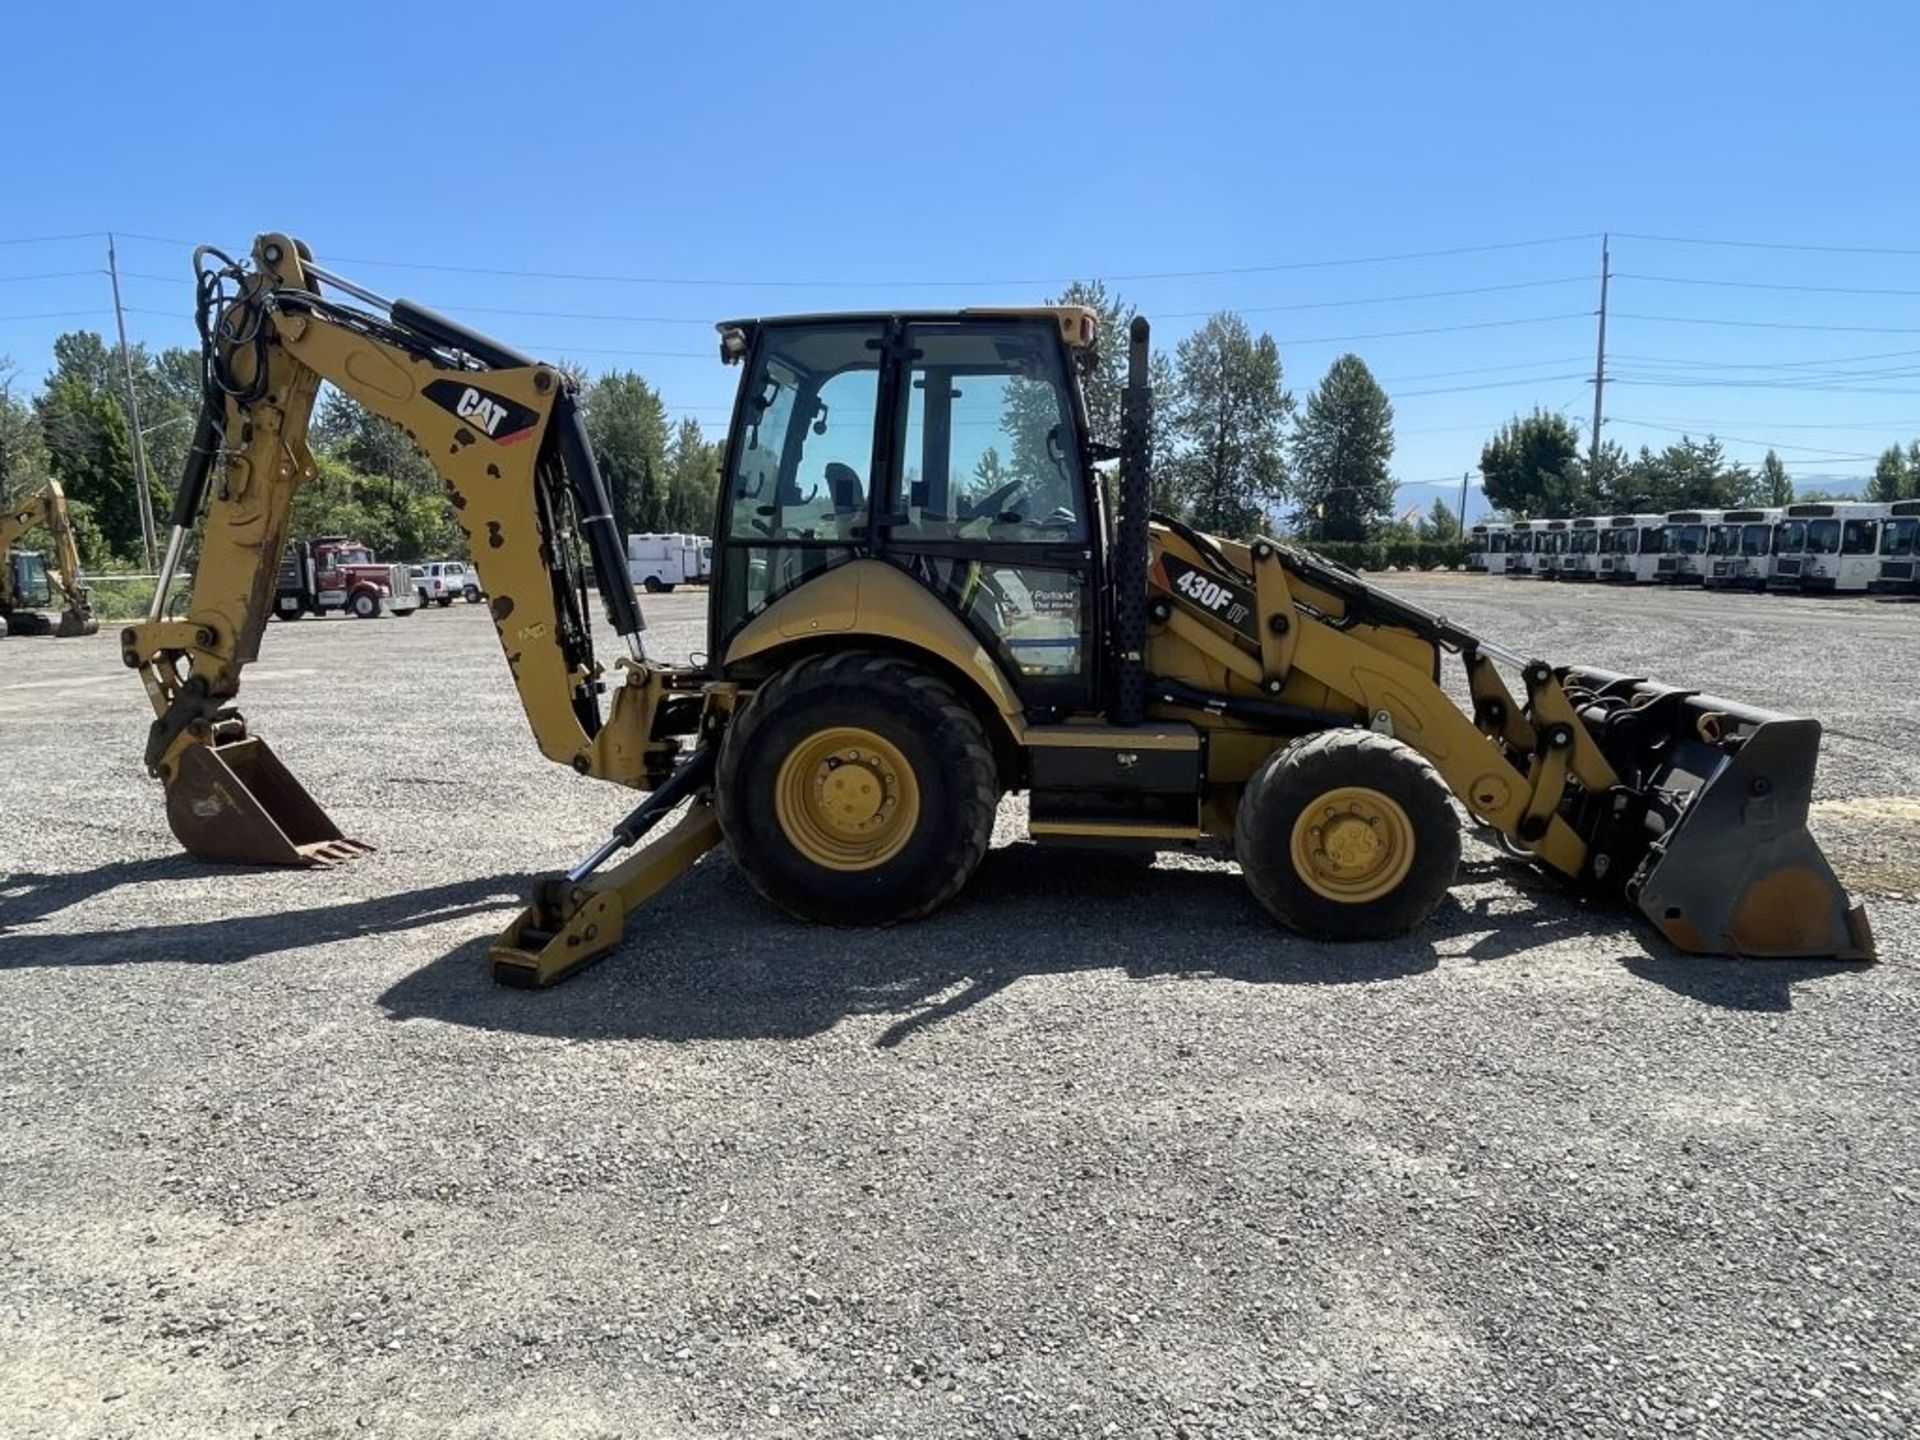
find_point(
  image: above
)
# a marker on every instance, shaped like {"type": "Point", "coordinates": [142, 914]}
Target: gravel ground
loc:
{"type": "Point", "coordinates": [1088, 1153]}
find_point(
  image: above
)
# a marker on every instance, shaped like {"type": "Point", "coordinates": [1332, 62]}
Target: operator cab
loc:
{"type": "Point", "coordinates": [32, 587]}
{"type": "Point", "coordinates": [948, 445]}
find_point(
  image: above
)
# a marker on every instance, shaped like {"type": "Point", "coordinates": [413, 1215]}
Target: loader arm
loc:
{"type": "Point", "coordinates": [504, 433]}
{"type": "Point", "coordinates": [47, 507]}
{"type": "Point", "coordinates": [1690, 806]}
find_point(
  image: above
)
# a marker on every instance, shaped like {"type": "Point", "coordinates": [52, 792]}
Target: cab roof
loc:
{"type": "Point", "coordinates": [1079, 326]}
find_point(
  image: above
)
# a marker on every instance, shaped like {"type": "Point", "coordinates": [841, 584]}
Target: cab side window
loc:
{"type": "Point", "coordinates": [988, 450]}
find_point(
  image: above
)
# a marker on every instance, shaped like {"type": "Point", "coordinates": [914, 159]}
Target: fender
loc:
{"type": "Point", "coordinates": [872, 598]}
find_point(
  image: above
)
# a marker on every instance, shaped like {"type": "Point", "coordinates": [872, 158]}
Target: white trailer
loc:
{"type": "Point", "coordinates": [1630, 547]}
{"type": "Point", "coordinates": [660, 562]}
{"type": "Point", "coordinates": [1830, 547]}
{"type": "Point", "coordinates": [1740, 550]}
{"type": "Point", "coordinates": [1685, 560]}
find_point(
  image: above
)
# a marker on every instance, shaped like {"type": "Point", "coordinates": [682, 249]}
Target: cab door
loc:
{"type": "Point", "coordinates": [988, 501]}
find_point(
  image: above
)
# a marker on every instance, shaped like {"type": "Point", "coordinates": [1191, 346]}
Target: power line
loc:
{"type": "Point", "coordinates": [1767, 365]}
{"type": "Point", "coordinates": [47, 275]}
{"type": "Point", "coordinates": [1763, 285]}
{"type": "Point", "coordinates": [1768, 245]}
{"type": "Point", "coordinates": [1437, 329]}
{"type": "Point", "coordinates": [1273, 267]}
{"type": "Point", "coordinates": [54, 315]}
{"type": "Point", "coordinates": [52, 239]}
{"type": "Point", "coordinates": [1480, 370]}
{"type": "Point", "coordinates": [1825, 452]}
{"type": "Point", "coordinates": [1488, 385]}
{"type": "Point", "coordinates": [1774, 324]}
{"type": "Point", "coordinates": [1373, 299]}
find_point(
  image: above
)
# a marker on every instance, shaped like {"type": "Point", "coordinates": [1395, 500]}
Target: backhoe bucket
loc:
{"type": "Point", "coordinates": [237, 803]}
{"type": "Point", "coordinates": [74, 623]}
{"type": "Point", "coordinates": [1734, 870]}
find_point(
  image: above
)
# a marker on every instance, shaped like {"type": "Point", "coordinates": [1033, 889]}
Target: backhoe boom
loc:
{"type": "Point", "coordinates": [504, 433]}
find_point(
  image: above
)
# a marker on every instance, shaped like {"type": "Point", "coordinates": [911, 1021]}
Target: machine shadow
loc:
{"type": "Point", "coordinates": [27, 896]}
{"type": "Point", "coordinates": [711, 961]}
{"type": "Point", "coordinates": [234, 938]}
{"type": "Point", "coordinates": [708, 960]}
{"type": "Point", "coordinates": [1765, 985]}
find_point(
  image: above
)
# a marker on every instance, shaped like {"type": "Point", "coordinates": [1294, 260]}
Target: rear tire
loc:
{"type": "Point", "coordinates": [444, 601]}
{"type": "Point", "coordinates": [856, 789]}
{"type": "Point", "coordinates": [651, 584]}
{"type": "Point", "coordinates": [1348, 835]}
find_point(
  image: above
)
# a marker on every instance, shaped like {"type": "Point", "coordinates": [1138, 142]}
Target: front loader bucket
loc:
{"type": "Point", "coordinates": [237, 803]}
{"type": "Point", "coordinates": [1735, 870]}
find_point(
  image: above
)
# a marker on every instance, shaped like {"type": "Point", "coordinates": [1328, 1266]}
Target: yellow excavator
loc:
{"type": "Point", "coordinates": [27, 585]}
{"type": "Point", "coordinates": [921, 603]}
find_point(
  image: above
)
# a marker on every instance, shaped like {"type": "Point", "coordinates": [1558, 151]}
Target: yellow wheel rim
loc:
{"type": "Point", "coordinates": [847, 798]}
{"type": "Point", "coordinates": [1353, 845]}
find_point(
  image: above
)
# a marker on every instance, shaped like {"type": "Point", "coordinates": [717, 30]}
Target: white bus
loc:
{"type": "Point", "coordinates": [1487, 547]}
{"type": "Point", "coordinates": [1631, 546]}
{"type": "Point", "coordinates": [1549, 548]}
{"type": "Point", "coordinates": [1521, 540]}
{"type": "Point", "coordinates": [1685, 560]}
{"type": "Point", "coordinates": [1828, 547]}
{"type": "Point", "coordinates": [1899, 551]}
{"type": "Point", "coordinates": [1582, 560]}
{"type": "Point", "coordinates": [1740, 550]}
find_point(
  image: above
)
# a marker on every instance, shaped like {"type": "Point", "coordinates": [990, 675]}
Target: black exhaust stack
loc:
{"type": "Point", "coordinates": [1129, 577]}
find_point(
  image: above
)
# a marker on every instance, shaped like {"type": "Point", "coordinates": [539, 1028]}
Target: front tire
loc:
{"type": "Point", "coordinates": [1348, 835]}
{"type": "Point", "coordinates": [364, 605]}
{"type": "Point", "coordinates": [857, 789]}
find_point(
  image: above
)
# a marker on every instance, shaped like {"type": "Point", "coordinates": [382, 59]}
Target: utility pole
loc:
{"type": "Point", "coordinates": [1462, 516]}
{"type": "Point", "coordinates": [1600, 367]}
{"type": "Point", "coordinates": [147, 537]}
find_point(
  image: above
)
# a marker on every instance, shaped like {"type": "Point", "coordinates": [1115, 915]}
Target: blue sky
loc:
{"type": "Point", "coordinates": [755, 159]}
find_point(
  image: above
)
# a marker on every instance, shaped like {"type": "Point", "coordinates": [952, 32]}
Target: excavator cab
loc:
{"type": "Point", "coordinates": [920, 605]}
{"type": "Point", "coordinates": [32, 589]}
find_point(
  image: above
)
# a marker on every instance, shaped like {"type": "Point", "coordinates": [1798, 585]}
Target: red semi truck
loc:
{"type": "Point", "coordinates": [335, 573]}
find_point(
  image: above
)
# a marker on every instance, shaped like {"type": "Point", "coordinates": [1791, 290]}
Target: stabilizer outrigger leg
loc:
{"type": "Point", "coordinates": [577, 917]}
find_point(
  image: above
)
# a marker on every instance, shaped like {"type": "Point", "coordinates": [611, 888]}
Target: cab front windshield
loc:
{"type": "Point", "coordinates": [1686, 539]}
{"type": "Point", "coordinates": [1823, 537]}
{"type": "Point", "coordinates": [1897, 537]}
{"type": "Point", "coordinates": [1725, 540]}
{"type": "Point", "coordinates": [1790, 537]}
{"type": "Point", "coordinates": [1586, 542]}
{"type": "Point", "coordinates": [1754, 539]}
{"type": "Point", "coordinates": [31, 574]}
{"type": "Point", "coordinates": [353, 555]}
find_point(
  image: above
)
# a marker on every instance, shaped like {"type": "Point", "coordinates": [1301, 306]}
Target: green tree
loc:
{"type": "Point", "coordinates": [1226, 426]}
{"type": "Point", "coordinates": [693, 480]}
{"type": "Point", "coordinates": [1775, 484]}
{"type": "Point", "coordinates": [1891, 480]}
{"type": "Point", "coordinates": [23, 454]}
{"type": "Point", "coordinates": [1531, 468]}
{"type": "Point", "coordinates": [373, 446]}
{"type": "Point", "coordinates": [627, 426]}
{"type": "Point", "coordinates": [1440, 524]}
{"type": "Point", "coordinates": [89, 452]}
{"type": "Point", "coordinates": [1341, 449]}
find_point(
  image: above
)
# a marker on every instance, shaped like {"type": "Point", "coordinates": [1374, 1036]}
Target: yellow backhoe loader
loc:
{"type": "Point", "coordinates": [920, 603]}
{"type": "Point", "coordinates": [27, 584]}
